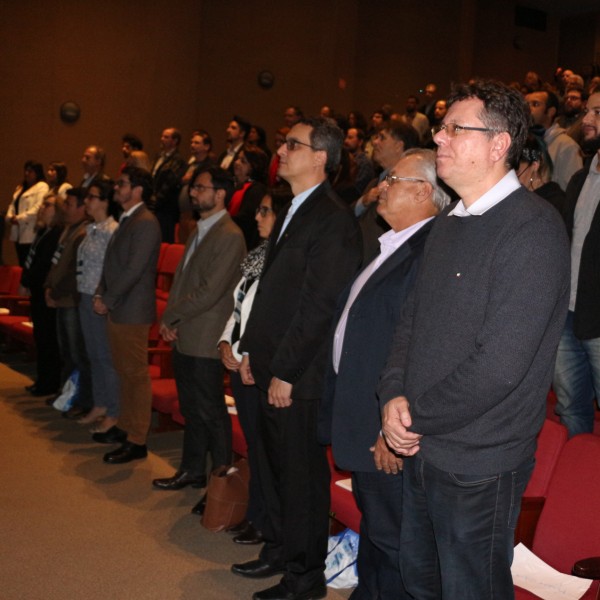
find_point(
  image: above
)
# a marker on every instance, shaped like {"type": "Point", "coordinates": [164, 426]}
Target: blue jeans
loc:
{"type": "Point", "coordinates": [576, 380]}
{"type": "Point", "coordinates": [105, 382]}
{"type": "Point", "coordinates": [458, 531]}
{"type": "Point", "coordinates": [379, 498]}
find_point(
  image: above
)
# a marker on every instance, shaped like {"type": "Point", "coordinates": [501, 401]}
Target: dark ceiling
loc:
{"type": "Point", "coordinates": [564, 8]}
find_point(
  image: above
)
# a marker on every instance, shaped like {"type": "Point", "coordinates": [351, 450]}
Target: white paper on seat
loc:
{"type": "Point", "coordinates": [345, 484]}
{"type": "Point", "coordinates": [4, 311]}
{"type": "Point", "coordinates": [531, 573]}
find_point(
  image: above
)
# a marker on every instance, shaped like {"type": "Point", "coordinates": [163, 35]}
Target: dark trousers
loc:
{"type": "Point", "coordinates": [379, 498]}
{"type": "Point", "coordinates": [458, 531]}
{"type": "Point", "coordinates": [294, 475]}
{"type": "Point", "coordinates": [202, 403]}
{"type": "Point", "coordinates": [247, 402]}
{"type": "Point", "coordinates": [74, 355]}
{"type": "Point", "coordinates": [46, 342]}
{"type": "Point", "coordinates": [22, 251]}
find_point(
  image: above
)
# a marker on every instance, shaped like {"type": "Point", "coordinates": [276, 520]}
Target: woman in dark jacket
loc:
{"type": "Point", "coordinates": [36, 267]}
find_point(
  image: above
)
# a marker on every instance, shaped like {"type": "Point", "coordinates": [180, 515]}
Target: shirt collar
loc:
{"type": "Point", "coordinates": [205, 224]}
{"type": "Point", "coordinates": [506, 186]}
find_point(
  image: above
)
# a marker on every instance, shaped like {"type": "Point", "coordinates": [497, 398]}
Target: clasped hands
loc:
{"type": "Point", "coordinates": [396, 420]}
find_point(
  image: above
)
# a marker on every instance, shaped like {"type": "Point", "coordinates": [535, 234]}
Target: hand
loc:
{"type": "Point", "coordinates": [227, 358]}
{"type": "Point", "coordinates": [168, 334]}
{"type": "Point", "coordinates": [385, 459]}
{"type": "Point", "coordinates": [280, 393]}
{"type": "Point", "coordinates": [246, 372]}
{"type": "Point", "coordinates": [99, 307]}
{"type": "Point", "coordinates": [396, 419]}
{"type": "Point", "coordinates": [23, 291]}
{"type": "Point", "coordinates": [50, 303]}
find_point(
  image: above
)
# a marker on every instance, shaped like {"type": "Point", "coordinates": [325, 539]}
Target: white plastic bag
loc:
{"type": "Point", "coordinates": [340, 564]}
{"type": "Point", "coordinates": [69, 393]}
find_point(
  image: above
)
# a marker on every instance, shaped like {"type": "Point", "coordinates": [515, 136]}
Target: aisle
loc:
{"type": "Point", "coordinates": [76, 528]}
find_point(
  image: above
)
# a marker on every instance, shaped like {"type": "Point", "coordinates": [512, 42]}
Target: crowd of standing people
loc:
{"type": "Point", "coordinates": [397, 289]}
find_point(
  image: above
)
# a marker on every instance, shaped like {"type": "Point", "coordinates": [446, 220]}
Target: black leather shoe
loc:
{"type": "Point", "coordinates": [75, 412]}
{"type": "Point", "coordinates": [256, 569]}
{"type": "Point", "coordinates": [280, 592]}
{"type": "Point", "coordinates": [249, 536]}
{"type": "Point", "coordinates": [180, 480]}
{"type": "Point", "coordinates": [37, 391]}
{"type": "Point", "coordinates": [239, 528]}
{"type": "Point", "coordinates": [114, 435]}
{"type": "Point", "coordinates": [126, 453]}
{"type": "Point", "coordinates": [199, 507]}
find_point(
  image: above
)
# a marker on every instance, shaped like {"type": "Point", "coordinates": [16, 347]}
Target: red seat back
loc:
{"type": "Point", "coordinates": [569, 526]}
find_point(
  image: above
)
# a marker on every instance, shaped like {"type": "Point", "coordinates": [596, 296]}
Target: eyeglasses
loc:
{"type": "Point", "coordinates": [200, 188]}
{"type": "Point", "coordinates": [93, 197]}
{"type": "Point", "coordinates": [392, 179]}
{"type": "Point", "coordinates": [263, 210]}
{"type": "Point", "coordinates": [291, 143]}
{"type": "Point", "coordinates": [122, 183]}
{"type": "Point", "coordinates": [452, 129]}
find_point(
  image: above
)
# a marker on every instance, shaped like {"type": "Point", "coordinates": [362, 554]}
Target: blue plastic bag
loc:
{"type": "Point", "coordinates": [340, 564]}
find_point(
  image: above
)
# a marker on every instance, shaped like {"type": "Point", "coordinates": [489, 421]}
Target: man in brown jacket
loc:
{"type": "Point", "coordinates": [199, 305]}
{"type": "Point", "coordinates": [61, 293]}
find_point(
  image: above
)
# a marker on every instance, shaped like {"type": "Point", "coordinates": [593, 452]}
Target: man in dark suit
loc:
{"type": "Point", "coordinates": [237, 132]}
{"type": "Point", "coordinates": [167, 171]}
{"type": "Point", "coordinates": [409, 198]}
{"type": "Point", "coordinates": [126, 294]}
{"type": "Point", "coordinates": [314, 251]}
{"type": "Point", "coordinates": [199, 305]}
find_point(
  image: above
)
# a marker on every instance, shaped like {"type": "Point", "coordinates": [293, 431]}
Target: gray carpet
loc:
{"type": "Point", "coordinates": [73, 527]}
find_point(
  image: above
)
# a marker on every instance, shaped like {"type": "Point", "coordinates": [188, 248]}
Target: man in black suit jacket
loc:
{"type": "Point", "coordinates": [167, 171]}
{"type": "Point", "coordinates": [409, 198]}
{"type": "Point", "coordinates": [314, 251]}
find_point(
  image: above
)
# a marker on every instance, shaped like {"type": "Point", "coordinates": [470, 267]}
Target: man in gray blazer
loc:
{"type": "Point", "coordinates": [199, 305]}
{"type": "Point", "coordinates": [126, 294]}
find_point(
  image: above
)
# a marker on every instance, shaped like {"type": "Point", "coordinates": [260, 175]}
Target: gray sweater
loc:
{"type": "Point", "coordinates": [474, 352]}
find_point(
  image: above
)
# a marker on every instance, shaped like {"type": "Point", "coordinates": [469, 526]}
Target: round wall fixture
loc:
{"type": "Point", "coordinates": [69, 112]}
{"type": "Point", "coordinates": [266, 80]}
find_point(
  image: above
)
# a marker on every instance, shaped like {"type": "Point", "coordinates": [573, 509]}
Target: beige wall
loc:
{"type": "Point", "coordinates": [142, 65]}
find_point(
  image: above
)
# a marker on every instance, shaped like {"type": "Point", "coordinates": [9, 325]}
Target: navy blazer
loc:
{"type": "Point", "coordinates": [287, 330]}
{"type": "Point", "coordinates": [349, 416]}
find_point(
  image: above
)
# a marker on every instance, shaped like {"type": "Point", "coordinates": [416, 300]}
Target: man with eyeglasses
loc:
{"type": "Point", "coordinates": [314, 251]}
{"type": "Point", "coordinates": [126, 294]}
{"type": "Point", "coordinates": [563, 150]}
{"type": "Point", "coordinates": [367, 313]}
{"type": "Point", "coordinates": [388, 146]}
{"type": "Point", "coordinates": [577, 373]}
{"type": "Point", "coordinates": [575, 101]}
{"type": "Point", "coordinates": [464, 390]}
{"type": "Point", "coordinates": [200, 302]}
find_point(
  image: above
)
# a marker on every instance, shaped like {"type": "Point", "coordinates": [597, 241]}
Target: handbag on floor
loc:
{"type": "Point", "coordinates": [227, 496]}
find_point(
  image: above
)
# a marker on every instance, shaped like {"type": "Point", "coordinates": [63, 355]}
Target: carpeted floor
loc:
{"type": "Point", "coordinates": [73, 527]}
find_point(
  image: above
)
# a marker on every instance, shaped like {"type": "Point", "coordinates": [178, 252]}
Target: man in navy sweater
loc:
{"type": "Point", "coordinates": [463, 393]}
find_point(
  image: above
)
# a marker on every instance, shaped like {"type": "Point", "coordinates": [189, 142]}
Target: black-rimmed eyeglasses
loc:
{"type": "Point", "coordinates": [291, 143]}
{"type": "Point", "coordinates": [453, 129]}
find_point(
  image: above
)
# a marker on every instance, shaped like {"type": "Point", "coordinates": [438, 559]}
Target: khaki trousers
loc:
{"type": "Point", "coordinates": [129, 347]}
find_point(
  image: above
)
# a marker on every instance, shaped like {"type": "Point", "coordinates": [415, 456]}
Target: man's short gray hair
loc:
{"type": "Point", "coordinates": [426, 166]}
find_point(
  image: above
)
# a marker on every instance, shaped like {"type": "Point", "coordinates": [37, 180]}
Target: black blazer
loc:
{"type": "Point", "coordinates": [349, 416]}
{"type": "Point", "coordinates": [287, 330]}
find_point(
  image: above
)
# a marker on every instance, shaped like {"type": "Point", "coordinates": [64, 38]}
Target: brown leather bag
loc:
{"type": "Point", "coordinates": [227, 496]}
